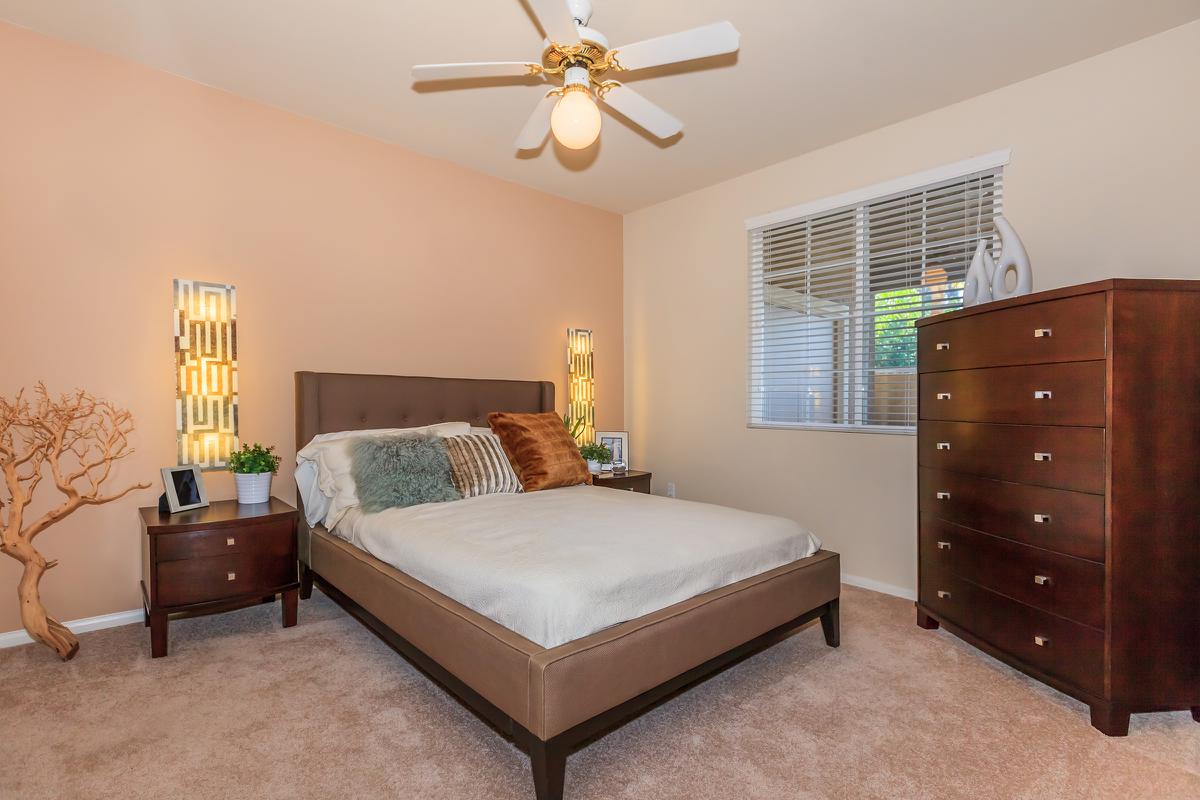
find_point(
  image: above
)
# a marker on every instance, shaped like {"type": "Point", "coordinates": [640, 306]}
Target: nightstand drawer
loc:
{"type": "Point", "coordinates": [273, 538]}
{"type": "Point", "coordinates": [201, 580]}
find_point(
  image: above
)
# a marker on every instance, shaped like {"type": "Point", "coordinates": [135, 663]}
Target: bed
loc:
{"type": "Point", "coordinates": [547, 699]}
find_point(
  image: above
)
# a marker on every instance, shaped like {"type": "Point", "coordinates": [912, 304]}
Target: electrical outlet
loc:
{"type": "Point", "coordinates": [670, 490]}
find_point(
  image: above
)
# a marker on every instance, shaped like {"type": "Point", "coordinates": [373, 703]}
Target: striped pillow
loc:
{"type": "Point", "coordinates": [479, 466]}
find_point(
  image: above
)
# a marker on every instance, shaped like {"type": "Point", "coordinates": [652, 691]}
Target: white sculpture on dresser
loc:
{"type": "Point", "coordinates": [987, 280]}
{"type": "Point", "coordinates": [978, 288]}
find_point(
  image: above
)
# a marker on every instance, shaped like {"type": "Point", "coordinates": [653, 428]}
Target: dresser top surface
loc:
{"type": "Point", "coordinates": [1109, 284]}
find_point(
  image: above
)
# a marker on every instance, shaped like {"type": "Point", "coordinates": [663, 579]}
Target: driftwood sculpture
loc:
{"type": "Point", "coordinates": [79, 438]}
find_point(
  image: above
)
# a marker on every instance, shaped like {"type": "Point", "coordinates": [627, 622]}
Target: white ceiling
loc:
{"type": "Point", "coordinates": [810, 72]}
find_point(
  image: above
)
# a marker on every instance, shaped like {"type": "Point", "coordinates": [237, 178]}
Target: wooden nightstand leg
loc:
{"type": "Point", "coordinates": [290, 599]}
{"type": "Point", "coordinates": [158, 634]}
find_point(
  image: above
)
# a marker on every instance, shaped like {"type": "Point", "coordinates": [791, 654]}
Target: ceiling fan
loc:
{"type": "Point", "coordinates": [582, 57]}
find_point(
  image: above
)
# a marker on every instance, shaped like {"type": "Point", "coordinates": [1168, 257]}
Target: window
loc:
{"type": "Point", "coordinates": [836, 286]}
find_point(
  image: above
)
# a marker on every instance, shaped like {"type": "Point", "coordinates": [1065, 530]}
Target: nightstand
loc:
{"type": "Point", "coordinates": [214, 559]}
{"type": "Point", "coordinates": [632, 481]}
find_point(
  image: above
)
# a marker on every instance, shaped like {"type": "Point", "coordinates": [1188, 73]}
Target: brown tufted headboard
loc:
{"type": "Point", "coordinates": [332, 401]}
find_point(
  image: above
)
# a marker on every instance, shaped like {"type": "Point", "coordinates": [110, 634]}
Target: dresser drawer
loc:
{"type": "Point", "coordinates": [1072, 329]}
{"type": "Point", "coordinates": [1053, 519]}
{"type": "Point", "coordinates": [276, 538]}
{"type": "Point", "coordinates": [943, 593]}
{"type": "Point", "coordinates": [1060, 457]}
{"type": "Point", "coordinates": [1043, 394]}
{"type": "Point", "coordinates": [1071, 652]}
{"type": "Point", "coordinates": [200, 580]}
{"type": "Point", "coordinates": [1069, 587]}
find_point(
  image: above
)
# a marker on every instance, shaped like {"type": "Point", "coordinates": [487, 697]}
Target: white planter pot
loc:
{"type": "Point", "coordinates": [253, 487]}
{"type": "Point", "coordinates": [593, 466]}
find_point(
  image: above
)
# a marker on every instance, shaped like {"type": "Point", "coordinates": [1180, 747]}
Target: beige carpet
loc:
{"type": "Point", "coordinates": [245, 709]}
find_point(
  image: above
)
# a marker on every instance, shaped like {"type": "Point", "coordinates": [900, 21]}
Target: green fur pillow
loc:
{"type": "Point", "coordinates": [400, 471]}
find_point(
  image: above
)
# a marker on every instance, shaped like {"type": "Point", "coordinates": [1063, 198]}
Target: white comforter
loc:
{"type": "Point", "coordinates": [558, 565]}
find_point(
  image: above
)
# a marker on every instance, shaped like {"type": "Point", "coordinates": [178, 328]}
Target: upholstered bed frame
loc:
{"type": "Point", "coordinates": [547, 700]}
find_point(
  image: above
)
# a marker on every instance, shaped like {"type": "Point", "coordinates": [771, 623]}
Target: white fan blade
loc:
{"type": "Point", "coordinates": [641, 111]}
{"type": "Point", "coordinates": [538, 124]}
{"type": "Point", "coordinates": [556, 20]}
{"type": "Point", "coordinates": [477, 69]}
{"type": "Point", "coordinates": [710, 40]}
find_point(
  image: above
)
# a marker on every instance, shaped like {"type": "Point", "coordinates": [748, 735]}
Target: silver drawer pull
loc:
{"type": "Point", "coordinates": [1041, 519]}
{"type": "Point", "coordinates": [944, 595]}
{"type": "Point", "coordinates": [943, 445]}
{"type": "Point", "coordinates": [1041, 456]}
{"type": "Point", "coordinates": [229, 576]}
{"type": "Point", "coordinates": [943, 345]}
{"type": "Point", "coordinates": [1040, 333]}
{"type": "Point", "coordinates": [943, 395]}
{"type": "Point", "coordinates": [1041, 641]}
{"type": "Point", "coordinates": [1043, 394]}
{"type": "Point", "coordinates": [943, 495]}
{"type": "Point", "coordinates": [230, 541]}
{"type": "Point", "coordinates": [1041, 580]}
{"type": "Point", "coordinates": [943, 545]}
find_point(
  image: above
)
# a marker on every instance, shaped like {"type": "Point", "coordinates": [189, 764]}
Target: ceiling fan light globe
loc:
{"type": "Point", "coordinates": [575, 120]}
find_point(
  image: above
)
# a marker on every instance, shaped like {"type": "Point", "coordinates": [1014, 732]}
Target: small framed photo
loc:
{"type": "Point", "coordinates": [184, 488]}
{"type": "Point", "coordinates": [618, 443]}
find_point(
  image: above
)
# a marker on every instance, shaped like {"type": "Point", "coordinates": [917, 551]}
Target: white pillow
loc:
{"type": "Point", "coordinates": [323, 469]}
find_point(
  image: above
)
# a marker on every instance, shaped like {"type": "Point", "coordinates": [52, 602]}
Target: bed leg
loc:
{"type": "Point", "coordinates": [548, 761]}
{"type": "Point", "coordinates": [831, 623]}
{"type": "Point", "coordinates": [306, 581]}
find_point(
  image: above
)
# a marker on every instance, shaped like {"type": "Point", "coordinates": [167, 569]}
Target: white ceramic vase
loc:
{"type": "Point", "coordinates": [253, 487]}
{"type": "Point", "coordinates": [1012, 257]}
{"type": "Point", "coordinates": [987, 280]}
{"type": "Point", "coordinates": [978, 287]}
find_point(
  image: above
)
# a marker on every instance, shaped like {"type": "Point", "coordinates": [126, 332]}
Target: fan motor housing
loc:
{"type": "Point", "coordinates": [587, 53]}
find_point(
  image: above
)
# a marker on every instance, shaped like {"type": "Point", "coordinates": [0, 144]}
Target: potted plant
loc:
{"type": "Point", "coordinates": [252, 468]}
{"type": "Point", "coordinates": [596, 455]}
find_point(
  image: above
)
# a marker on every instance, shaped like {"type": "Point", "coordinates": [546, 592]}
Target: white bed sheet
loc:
{"type": "Point", "coordinates": [557, 565]}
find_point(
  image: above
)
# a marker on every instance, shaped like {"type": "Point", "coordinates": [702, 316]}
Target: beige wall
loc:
{"type": "Point", "coordinates": [1102, 183]}
{"type": "Point", "coordinates": [348, 254]}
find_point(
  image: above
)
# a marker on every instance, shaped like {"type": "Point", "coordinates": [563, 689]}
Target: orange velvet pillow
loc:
{"type": "Point", "coordinates": [542, 453]}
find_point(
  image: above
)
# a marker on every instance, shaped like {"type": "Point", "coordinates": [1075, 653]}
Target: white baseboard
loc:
{"type": "Point", "coordinates": [20, 637]}
{"type": "Point", "coordinates": [878, 586]}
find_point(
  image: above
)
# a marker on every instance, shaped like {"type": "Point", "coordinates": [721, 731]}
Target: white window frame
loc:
{"type": "Point", "coordinates": [909, 183]}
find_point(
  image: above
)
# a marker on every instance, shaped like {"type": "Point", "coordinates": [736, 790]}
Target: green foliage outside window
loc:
{"type": "Point", "coordinates": [895, 312]}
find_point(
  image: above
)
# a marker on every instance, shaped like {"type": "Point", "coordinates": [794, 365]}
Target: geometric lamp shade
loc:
{"type": "Point", "coordinates": [581, 382]}
{"type": "Point", "coordinates": [206, 380]}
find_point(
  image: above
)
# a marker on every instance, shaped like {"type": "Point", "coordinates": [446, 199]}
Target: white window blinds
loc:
{"type": "Point", "coordinates": [834, 294]}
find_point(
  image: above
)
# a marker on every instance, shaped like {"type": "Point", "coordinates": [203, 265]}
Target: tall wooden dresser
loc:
{"type": "Point", "coordinates": [1059, 481]}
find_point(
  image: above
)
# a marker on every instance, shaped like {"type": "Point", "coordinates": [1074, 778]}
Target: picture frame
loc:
{"type": "Point", "coordinates": [184, 488]}
{"type": "Point", "coordinates": [618, 443]}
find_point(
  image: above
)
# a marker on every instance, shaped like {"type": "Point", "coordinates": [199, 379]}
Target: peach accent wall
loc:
{"type": "Point", "coordinates": [348, 254]}
{"type": "Point", "coordinates": [1102, 184]}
